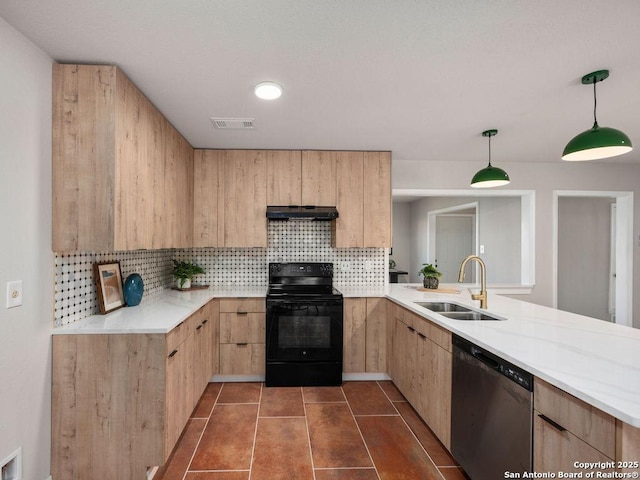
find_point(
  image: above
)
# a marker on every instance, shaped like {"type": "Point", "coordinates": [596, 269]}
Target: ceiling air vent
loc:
{"type": "Point", "coordinates": [234, 123]}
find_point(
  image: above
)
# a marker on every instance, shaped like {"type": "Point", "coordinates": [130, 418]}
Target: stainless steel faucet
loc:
{"type": "Point", "coordinates": [482, 296]}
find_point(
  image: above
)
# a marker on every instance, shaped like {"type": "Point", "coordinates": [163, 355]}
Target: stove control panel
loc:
{"type": "Point", "coordinates": [301, 269]}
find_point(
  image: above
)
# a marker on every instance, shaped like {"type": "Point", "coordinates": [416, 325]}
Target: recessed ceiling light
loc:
{"type": "Point", "coordinates": [268, 90]}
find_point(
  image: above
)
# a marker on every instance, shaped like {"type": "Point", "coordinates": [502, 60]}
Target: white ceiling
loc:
{"type": "Point", "coordinates": [422, 78]}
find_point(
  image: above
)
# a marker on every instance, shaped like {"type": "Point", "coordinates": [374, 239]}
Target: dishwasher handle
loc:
{"type": "Point", "coordinates": [490, 362]}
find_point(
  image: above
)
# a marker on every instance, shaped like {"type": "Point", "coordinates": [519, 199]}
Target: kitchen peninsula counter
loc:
{"type": "Point", "coordinates": [593, 360]}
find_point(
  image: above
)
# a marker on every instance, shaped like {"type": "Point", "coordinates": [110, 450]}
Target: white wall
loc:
{"type": "Point", "coordinates": [544, 178]}
{"type": "Point", "coordinates": [499, 230]}
{"type": "Point", "coordinates": [25, 252]}
{"type": "Point", "coordinates": [400, 241]}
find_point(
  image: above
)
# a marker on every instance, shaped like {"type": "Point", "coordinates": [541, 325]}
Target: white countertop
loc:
{"type": "Point", "coordinates": [159, 314]}
{"type": "Point", "coordinates": [594, 360]}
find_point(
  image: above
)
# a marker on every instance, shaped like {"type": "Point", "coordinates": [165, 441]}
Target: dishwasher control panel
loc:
{"type": "Point", "coordinates": [512, 372]}
{"type": "Point", "coordinates": [522, 378]}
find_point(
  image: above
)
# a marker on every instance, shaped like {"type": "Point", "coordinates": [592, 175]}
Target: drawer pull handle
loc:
{"type": "Point", "coordinates": [199, 327]}
{"type": "Point", "coordinates": [555, 425]}
{"type": "Point", "coordinates": [204, 321]}
{"type": "Point", "coordinates": [242, 344]}
{"type": "Point", "coordinates": [173, 353]}
{"type": "Point", "coordinates": [411, 329]}
{"type": "Point", "coordinates": [242, 313]}
{"type": "Point", "coordinates": [180, 324]}
{"type": "Point", "coordinates": [422, 336]}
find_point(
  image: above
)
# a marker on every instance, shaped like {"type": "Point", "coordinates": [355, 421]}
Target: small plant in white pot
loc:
{"type": "Point", "coordinates": [184, 272]}
{"type": "Point", "coordinates": [431, 276]}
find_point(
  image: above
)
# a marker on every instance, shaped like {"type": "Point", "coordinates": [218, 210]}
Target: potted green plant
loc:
{"type": "Point", "coordinates": [184, 272]}
{"type": "Point", "coordinates": [431, 276]}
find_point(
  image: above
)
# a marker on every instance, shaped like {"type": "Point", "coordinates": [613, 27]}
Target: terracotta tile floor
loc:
{"type": "Point", "coordinates": [360, 431]}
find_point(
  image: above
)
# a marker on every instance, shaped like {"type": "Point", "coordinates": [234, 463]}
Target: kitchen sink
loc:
{"type": "Point", "coordinates": [457, 312]}
{"type": "Point", "coordinates": [443, 307]}
{"type": "Point", "coordinates": [470, 315]}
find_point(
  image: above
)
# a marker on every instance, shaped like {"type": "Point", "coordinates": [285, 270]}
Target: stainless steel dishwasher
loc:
{"type": "Point", "coordinates": [491, 413]}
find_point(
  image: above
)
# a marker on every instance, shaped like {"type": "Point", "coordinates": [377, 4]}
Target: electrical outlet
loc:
{"type": "Point", "coordinates": [11, 467]}
{"type": "Point", "coordinates": [481, 249]}
{"type": "Point", "coordinates": [345, 266]}
{"type": "Point", "coordinates": [14, 295]}
{"type": "Point", "coordinates": [368, 265]}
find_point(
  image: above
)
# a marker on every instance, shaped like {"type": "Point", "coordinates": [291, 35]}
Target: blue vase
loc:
{"type": "Point", "coordinates": [133, 289]}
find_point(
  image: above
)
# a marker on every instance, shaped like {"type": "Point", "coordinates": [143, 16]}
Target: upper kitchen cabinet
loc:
{"type": "Point", "coordinates": [122, 175]}
{"type": "Point", "coordinates": [363, 199]}
{"type": "Point", "coordinates": [206, 180]}
{"type": "Point", "coordinates": [284, 177]}
{"type": "Point", "coordinates": [232, 183]}
{"type": "Point", "coordinates": [319, 178]}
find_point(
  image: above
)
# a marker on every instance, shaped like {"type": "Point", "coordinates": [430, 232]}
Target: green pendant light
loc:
{"type": "Point", "coordinates": [490, 176]}
{"type": "Point", "coordinates": [598, 142]}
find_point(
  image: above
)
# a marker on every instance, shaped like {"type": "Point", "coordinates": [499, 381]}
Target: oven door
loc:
{"type": "Point", "coordinates": [304, 331]}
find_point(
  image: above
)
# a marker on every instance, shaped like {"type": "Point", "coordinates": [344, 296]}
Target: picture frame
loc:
{"type": "Point", "coordinates": [108, 279]}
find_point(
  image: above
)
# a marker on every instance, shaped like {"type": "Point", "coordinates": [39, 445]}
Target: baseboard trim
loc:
{"type": "Point", "coordinates": [238, 378]}
{"type": "Point", "coordinates": [347, 377]}
{"type": "Point", "coordinates": [355, 377]}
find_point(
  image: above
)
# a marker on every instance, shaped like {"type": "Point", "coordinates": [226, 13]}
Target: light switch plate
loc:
{"type": "Point", "coordinates": [14, 294]}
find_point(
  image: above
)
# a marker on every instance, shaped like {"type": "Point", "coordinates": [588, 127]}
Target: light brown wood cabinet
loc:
{"type": "Point", "coordinates": [365, 335]}
{"type": "Point", "coordinates": [421, 367]}
{"type": "Point", "coordinates": [230, 198]}
{"type": "Point", "coordinates": [284, 177]}
{"type": "Point", "coordinates": [319, 177]}
{"type": "Point", "coordinates": [242, 336]}
{"type": "Point", "coordinates": [567, 429]}
{"type": "Point", "coordinates": [122, 175]}
{"type": "Point", "coordinates": [363, 198]}
{"type": "Point", "coordinates": [121, 401]}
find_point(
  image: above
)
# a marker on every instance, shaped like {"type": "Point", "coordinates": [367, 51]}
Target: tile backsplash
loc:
{"type": "Point", "coordinates": [290, 241]}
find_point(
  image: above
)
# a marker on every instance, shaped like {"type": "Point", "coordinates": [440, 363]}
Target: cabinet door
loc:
{"type": "Point", "coordinates": [433, 385]}
{"type": "Point", "coordinates": [83, 171]}
{"type": "Point", "coordinates": [135, 160]}
{"type": "Point", "coordinates": [176, 230]}
{"type": "Point", "coordinates": [355, 337]}
{"type": "Point", "coordinates": [350, 177]}
{"type": "Point", "coordinates": [319, 178]}
{"type": "Point", "coordinates": [206, 178]}
{"type": "Point", "coordinates": [405, 360]}
{"type": "Point", "coordinates": [175, 402]}
{"type": "Point", "coordinates": [243, 186]}
{"type": "Point", "coordinates": [376, 344]}
{"type": "Point", "coordinates": [377, 199]}
{"type": "Point", "coordinates": [284, 177]}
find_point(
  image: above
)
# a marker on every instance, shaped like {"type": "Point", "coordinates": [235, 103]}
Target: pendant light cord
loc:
{"type": "Point", "coordinates": [595, 104]}
{"type": "Point", "coordinates": [490, 149]}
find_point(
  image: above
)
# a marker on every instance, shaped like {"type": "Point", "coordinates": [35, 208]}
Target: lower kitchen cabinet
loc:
{"type": "Point", "coordinates": [121, 401]}
{"type": "Point", "coordinates": [365, 335]}
{"type": "Point", "coordinates": [242, 336]}
{"type": "Point", "coordinates": [567, 429]}
{"type": "Point", "coordinates": [421, 367]}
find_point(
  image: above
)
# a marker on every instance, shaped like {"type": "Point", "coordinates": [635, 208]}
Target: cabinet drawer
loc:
{"type": "Point", "coordinates": [242, 327]}
{"type": "Point", "coordinates": [240, 305]}
{"type": "Point", "coordinates": [181, 331]}
{"type": "Point", "coordinates": [247, 359]}
{"type": "Point", "coordinates": [557, 450]}
{"type": "Point", "coordinates": [589, 424]}
{"type": "Point", "coordinates": [404, 315]}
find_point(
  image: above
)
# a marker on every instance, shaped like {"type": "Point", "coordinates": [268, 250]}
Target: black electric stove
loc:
{"type": "Point", "coordinates": [304, 326]}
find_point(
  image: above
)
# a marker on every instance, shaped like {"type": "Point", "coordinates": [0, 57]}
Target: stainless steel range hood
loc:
{"type": "Point", "coordinates": [310, 212]}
